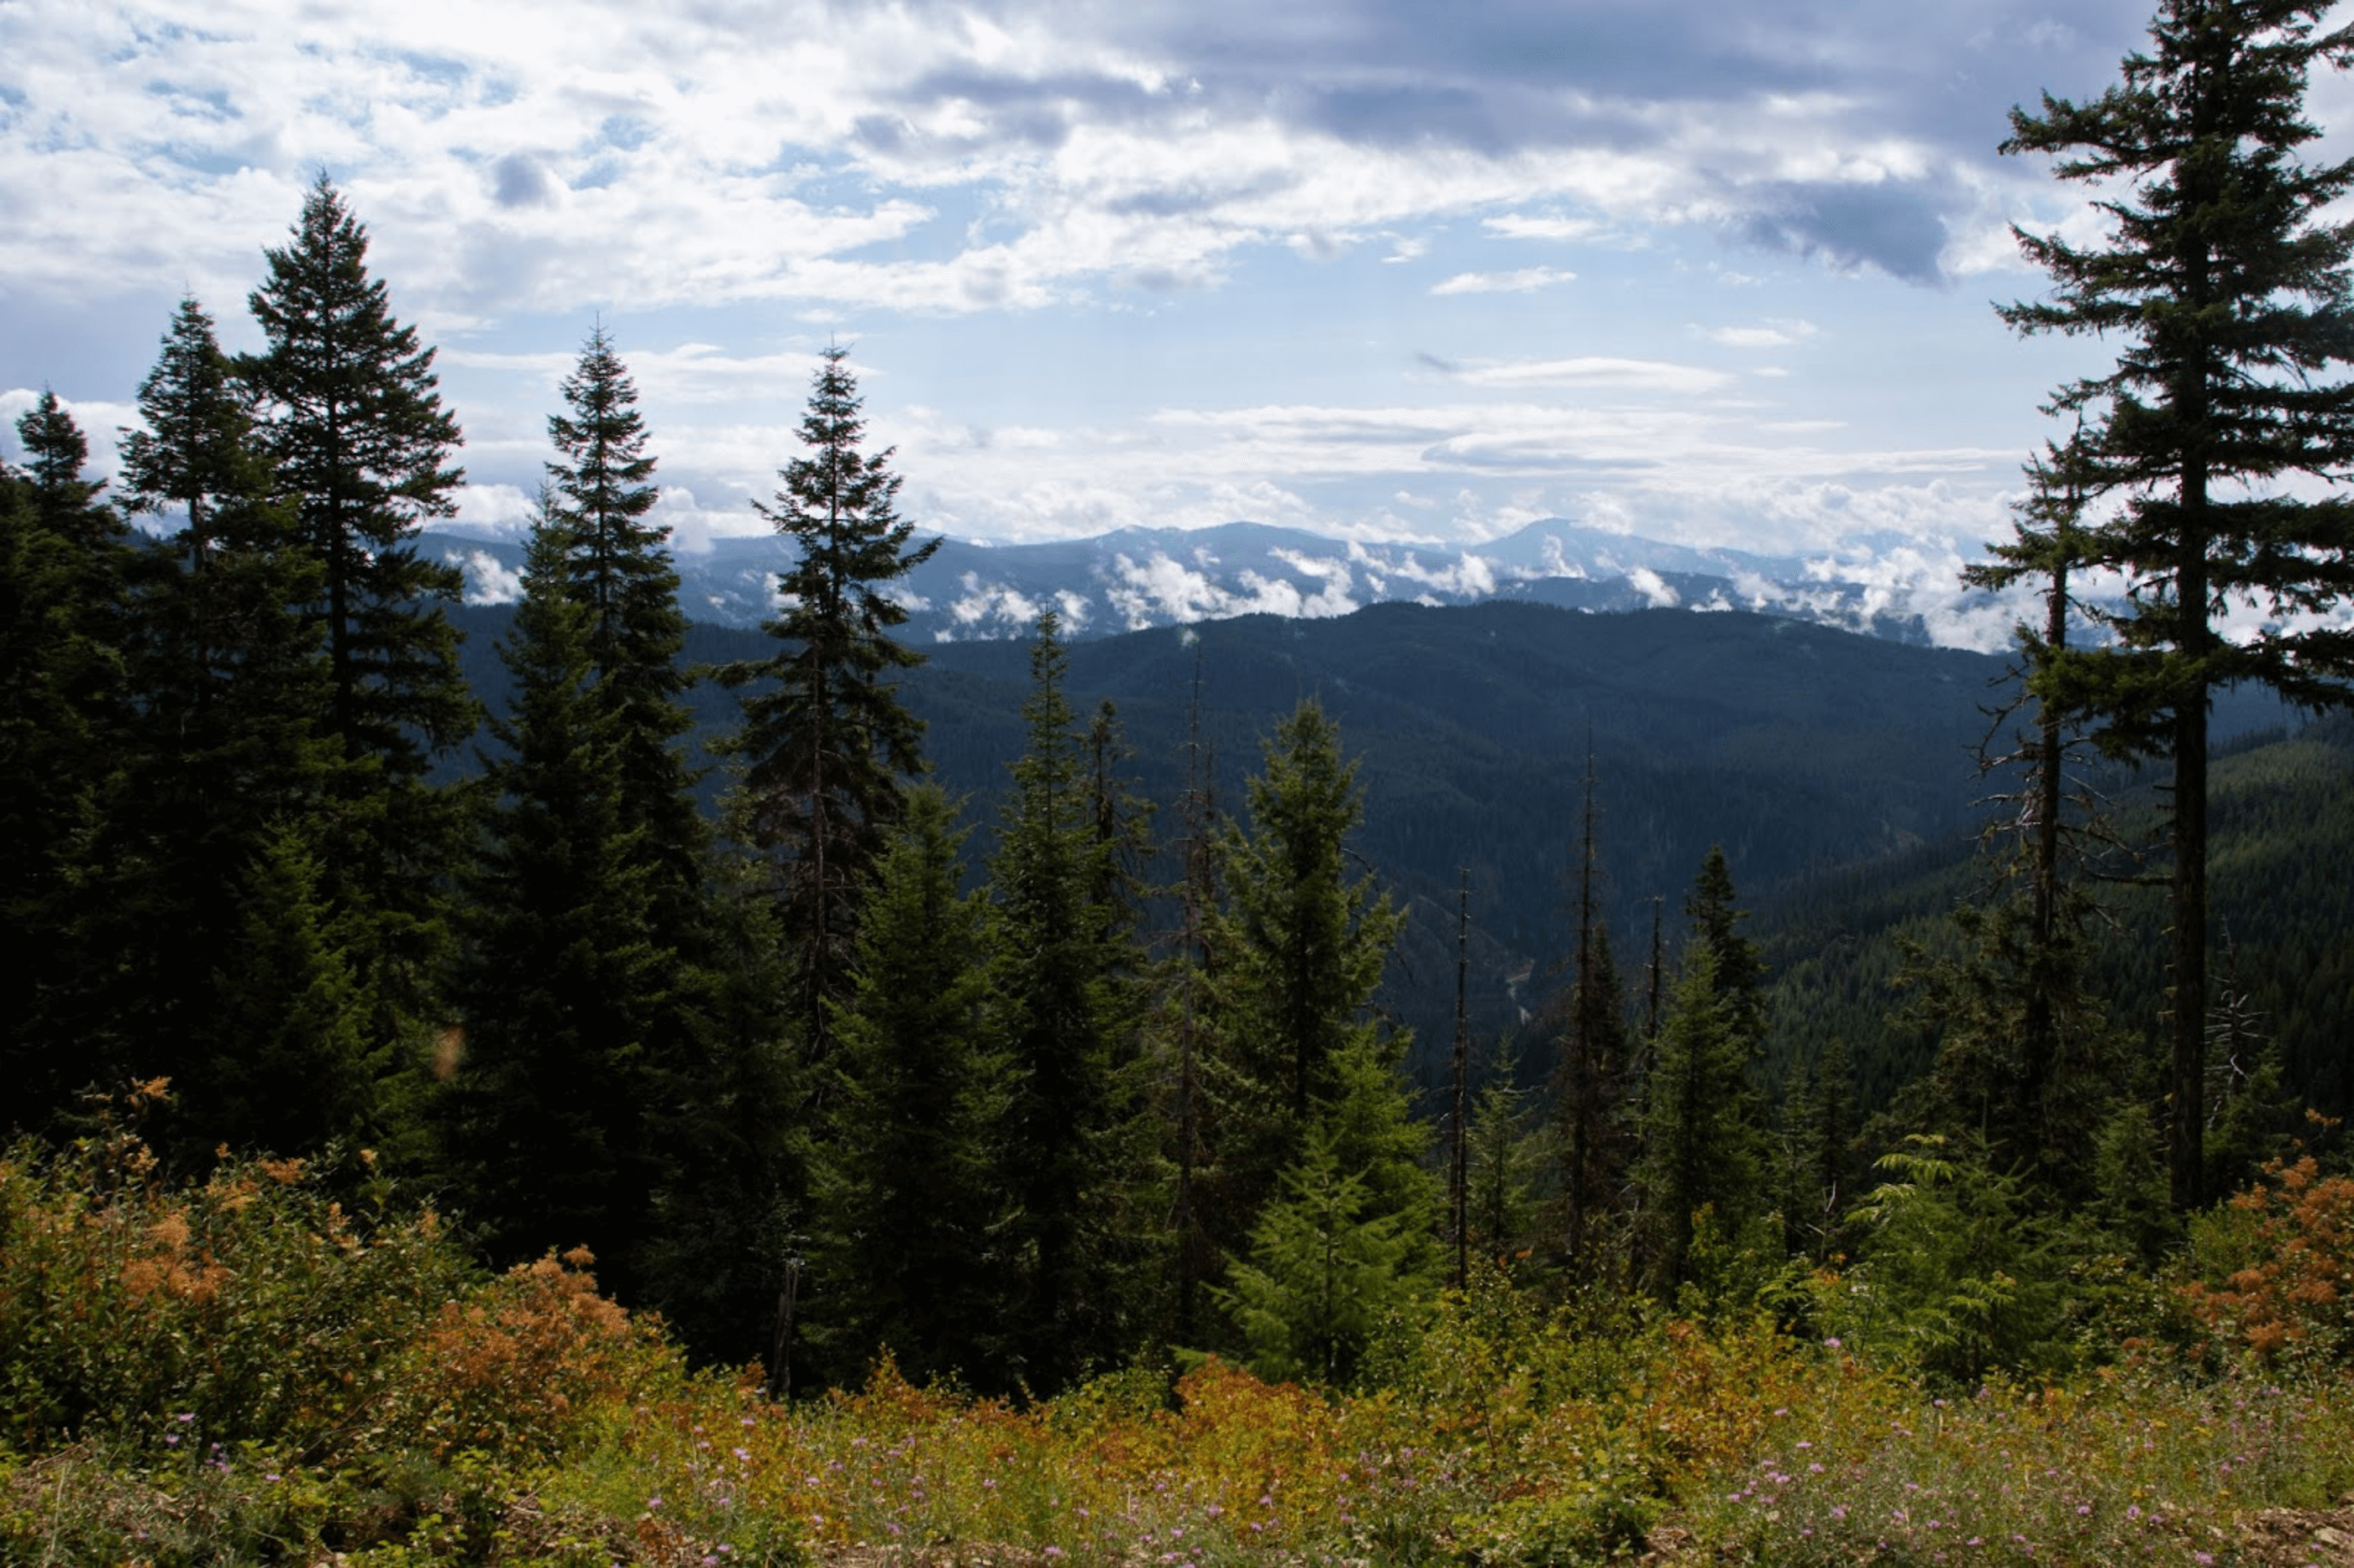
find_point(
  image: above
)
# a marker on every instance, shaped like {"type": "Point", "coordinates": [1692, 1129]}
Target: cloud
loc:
{"type": "Point", "coordinates": [1653, 587]}
{"type": "Point", "coordinates": [1517, 226]}
{"type": "Point", "coordinates": [1766, 334]}
{"type": "Point", "coordinates": [1894, 226]}
{"type": "Point", "coordinates": [488, 581]}
{"type": "Point", "coordinates": [1590, 371]}
{"type": "Point", "coordinates": [544, 154]}
{"type": "Point", "coordinates": [1159, 589]}
{"type": "Point", "coordinates": [1515, 282]}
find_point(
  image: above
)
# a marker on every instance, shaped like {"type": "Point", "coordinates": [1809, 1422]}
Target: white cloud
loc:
{"type": "Point", "coordinates": [1596, 371]}
{"type": "Point", "coordinates": [1764, 334]}
{"type": "Point", "coordinates": [1518, 226]}
{"type": "Point", "coordinates": [1653, 587]}
{"type": "Point", "coordinates": [488, 581]}
{"type": "Point", "coordinates": [1515, 282]}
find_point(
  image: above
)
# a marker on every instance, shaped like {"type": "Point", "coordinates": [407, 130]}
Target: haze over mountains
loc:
{"type": "Point", "coordinates": [1135, 579]}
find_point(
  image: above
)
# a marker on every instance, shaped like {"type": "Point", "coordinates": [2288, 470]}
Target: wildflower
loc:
{"type": "Point", "coordinates": [742, 1457]}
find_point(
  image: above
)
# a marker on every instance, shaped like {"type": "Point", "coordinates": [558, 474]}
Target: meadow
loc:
{"type": "Point", "coordinates": [289, 1364]}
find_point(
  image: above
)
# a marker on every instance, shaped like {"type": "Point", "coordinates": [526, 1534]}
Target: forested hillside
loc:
{"type": "Point", "coordinates": [2283, 891]}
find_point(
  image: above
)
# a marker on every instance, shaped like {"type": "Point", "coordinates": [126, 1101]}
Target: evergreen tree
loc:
{"type": "Point", "coordinates": [825, 738]}
{"type": "Point", "coordinates": [63, 714]}
{"type": "Point", "coordinates": [562, 982]}
{"type": "Point", "coordinates": [2228, 284]}
{"type": "Point", "coordinates": [1593, 1093]}
{"type": "Point", "coordinates": [1986, 1007]}
{"type": "Point", "coordinates": [2130, 1207]}
{"type": "Point", "coordinates": [65, 500]}
{"type": "Point", "coordinates": [1738, 966]}
{"type": "Point", "coordinates": [352, 422]}
{"type": "Point", "coordinates": [2045, 544]}
{"type": "Point", "coordinates": [1373, 1132]}
{"type": "Point", "coordinates": [1324, 1269]}
{"type": "Point", "coordinates": [1700, 1143]}
{"type": "Point", "coordinates": [1817, 1167]}
{"type": "Point", "coordinates": [1301, 948]}
{"type": "Point", "coordinates": [913, 1230]}
{"type": "Point", "coordinates": [732, 1224]}
{"type": "Point", "coordinates": [280, 1062]}
{"type": "Point", "coordinates": [1506, 1154]}
{"type": "Point", "coordinates": [1184, 1030]}
{"type": "Point", "coordinates": [1064, 971]}
{"type": "Point", "coordinates": [619, 571]}
{"type": "Point", "coordinates": [225, 771]}
{"type": "Point", "coordinates": [1961, 1276]}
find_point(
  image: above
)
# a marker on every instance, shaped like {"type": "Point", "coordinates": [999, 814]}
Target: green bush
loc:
{"type": "Point", "coordinates": [251, 1308]}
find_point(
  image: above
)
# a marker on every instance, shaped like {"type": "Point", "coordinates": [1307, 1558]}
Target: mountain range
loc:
{"type": "Point", "coordinates": [1137, 579]}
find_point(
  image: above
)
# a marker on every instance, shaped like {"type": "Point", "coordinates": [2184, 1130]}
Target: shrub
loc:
{"type": "Point", "coordinates": [2279, 1267]}
{"type": "Point", "coordinates": [254, 1306]}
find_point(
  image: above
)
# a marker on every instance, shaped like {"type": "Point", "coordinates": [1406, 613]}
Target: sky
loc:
{"type": "Point", "coordinates": [1387, 269]}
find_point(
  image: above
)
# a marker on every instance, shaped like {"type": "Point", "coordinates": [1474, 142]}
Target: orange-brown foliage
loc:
{"type": "Point", "coordinates": [2296, 1230]}
{"type": "Point", "coordinates": [505, 1368]}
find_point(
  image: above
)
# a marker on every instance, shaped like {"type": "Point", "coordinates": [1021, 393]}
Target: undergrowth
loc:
{"type": "Point", "coordinates": [284, 1364]}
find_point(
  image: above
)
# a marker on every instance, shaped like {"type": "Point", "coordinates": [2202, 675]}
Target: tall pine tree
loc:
{"type": "Point", "coordinates": [1064, 971]}
{"type": "Point", "coordinates": [619, 570]}
{"type": "Point", "coordinates": [914, 1231]}
{"type": "Point", "coordinates": [63, 714]}
{"type": "Point", "coordinates": [563, 977]}
{"type": "Point", "coordinates": [1591, 1080]}
{"type": "Point", "coordinates": [227, 771]}
{"type": "Point", "coordinates": [352, 422]}
{"type": "Point", "coordinates": [2226, 277]}
{"type": "Point", "coordinates": [825, 739]}
{"type": "Point", "coordinates": [1701, 1147]}
{"type": "Point", "coordinates": [1301, 947]}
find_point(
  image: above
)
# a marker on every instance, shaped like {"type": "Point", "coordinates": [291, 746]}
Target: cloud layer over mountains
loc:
{"type": "Point", "coordinates": [1373, 268]}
